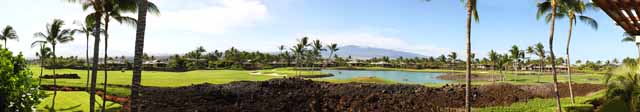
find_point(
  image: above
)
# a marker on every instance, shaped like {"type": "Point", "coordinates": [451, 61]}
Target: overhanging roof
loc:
{"type": "Point", "coordinates": [623, 12]}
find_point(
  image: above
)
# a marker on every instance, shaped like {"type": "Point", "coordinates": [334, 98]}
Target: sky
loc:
{"type": "Point", "coordinates": [427, 28]}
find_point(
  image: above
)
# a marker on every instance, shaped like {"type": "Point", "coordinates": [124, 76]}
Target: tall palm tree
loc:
{"type": "Point", "coordinates": [43, 53]}
{"type": "Point", "coordinates": [143, 7]}
{"type": "Point", "coordinates": [333, 48]}
{"type": "Point", "coordinates": [574, 9]}
{"type": "Point", "coordinates": [85, 29]}
{"type": "Point", "coordinates": [544, 8]}
{"type": "Point", "coordinates": [55, 35]}
{"type": "Point", "coordinates": [8, 33]}
{"type": "Point", "coordinates": [93, 18]}
{"type": "Point", "coordinates": [112, 9]}
{"type": "Point", "coordinates": [472, 12]}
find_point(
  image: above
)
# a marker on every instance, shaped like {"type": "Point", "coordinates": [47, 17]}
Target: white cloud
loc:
{"type": "Point", "coordinates": [218, 17]}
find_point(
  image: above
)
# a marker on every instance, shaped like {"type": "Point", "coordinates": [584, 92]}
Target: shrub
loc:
{"type": "Point", "coordinates": [18, 91]}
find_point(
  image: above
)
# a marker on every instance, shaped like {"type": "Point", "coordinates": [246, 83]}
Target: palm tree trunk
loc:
{"type": "Point", "coordinates": [137, 60]}
{"type": "Point", "coordinates": [106, 43]}
{"type": "Point", "coordinates": [573, 100]}
{"type": "Point", "coordinates": [94, 69]}
{"type": "Point", "coordinates": [553, 64]}
{"type": "Point", "coordinates": [87, 62]}
{"type": "Point", "coordinates": [41, 70]}
{"type": "Point", "coordinates": [41, 66]}
{"type": "Point", "coordinates": [55, 83]}
{"type": "Point", "coordinates": [5, 44]}
{"type": "Point", "coordinates": [542, 67]}
{"type": "Point", "coordinates": [467, 88]}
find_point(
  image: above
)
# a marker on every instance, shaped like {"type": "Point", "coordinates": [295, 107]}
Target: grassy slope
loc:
{"type": "Point", "coordinates": [73, 101]}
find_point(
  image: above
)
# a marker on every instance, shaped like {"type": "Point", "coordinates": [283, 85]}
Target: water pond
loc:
{"type": "Point", "coordinates": [397, 76]}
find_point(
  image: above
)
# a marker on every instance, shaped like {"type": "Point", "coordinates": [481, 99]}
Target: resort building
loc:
{"type": "Point", "coordinates": [381, 64]}
{"type": "Point", "coordinates": [355, 63]}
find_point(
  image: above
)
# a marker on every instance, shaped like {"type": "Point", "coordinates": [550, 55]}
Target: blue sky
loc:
{"type": "Point", "coordinates": [428, 28]}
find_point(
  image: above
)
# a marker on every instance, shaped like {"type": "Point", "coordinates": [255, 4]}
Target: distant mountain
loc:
{"type": "Point", "coordinates": [361, 52]}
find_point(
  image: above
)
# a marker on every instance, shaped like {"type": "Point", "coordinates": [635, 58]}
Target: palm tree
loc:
{"type": "Point", "coordinates": [502, 62]}
{"type": "Point", "coordinates": [530, 51]}
{"type": "Point", "coordinates": [541, 53]}
{"type": "Point", "coordinates": [112, 9]}
{"type": "Point", "coordinates": [8, 34]}
{"type": "Point", "coordinates": [85, 29]}
{"type": "Point", "coordinates": [516, 55]}
{"type": "Point", "coordinates": [544, 8]}
{"type": "Point", "coordinates": [93, 18]}
{"type": "Point", "coordinates": [333, 48]}
{"type": "Point", "coordinates": [43, 53]}
{"type": "Point", "coordinates": [472, 12]}
{"type": "Point", "coordinates": [494, 58]}
{"type": "Point", "coordinates": [317, 49]}
{"type": "Point", "coordinates": [573, 9]}
{"type": "Point", "coordinates": [452, 58]}
{"type": "Point", "coordinates": [54, 35]}
{"type": "Point", "coordinates": [298, 51]}
{"type": "Point", "coordinates": [143, 7]}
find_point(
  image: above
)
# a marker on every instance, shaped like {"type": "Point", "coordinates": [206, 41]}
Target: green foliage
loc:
{"type": "Point", "coordinates": [623, 84]}
{"type": "Point", "coordinates": [18, 91]}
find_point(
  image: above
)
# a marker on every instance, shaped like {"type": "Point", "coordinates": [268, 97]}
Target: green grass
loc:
{"type": "Point", "coordinates": [167, 79]}
{"type": "Point", "coordinates": [543, 105]}
{"type": "Point", "coordinates": [73, 101]}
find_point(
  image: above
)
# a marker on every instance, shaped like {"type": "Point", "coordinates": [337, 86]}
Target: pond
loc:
{"type": "Point", "coordinates": [397, 76]}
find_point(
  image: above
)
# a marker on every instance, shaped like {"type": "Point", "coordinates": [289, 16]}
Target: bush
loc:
{"type": "Point", "coordinates": [18, 91]}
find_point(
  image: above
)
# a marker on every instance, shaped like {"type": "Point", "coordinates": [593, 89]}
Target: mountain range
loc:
{"type": "Point", "coordinates": [361, 52]}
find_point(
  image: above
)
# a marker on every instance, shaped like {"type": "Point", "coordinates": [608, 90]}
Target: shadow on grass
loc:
{"type": "Point", "coordinates": [51, 109]}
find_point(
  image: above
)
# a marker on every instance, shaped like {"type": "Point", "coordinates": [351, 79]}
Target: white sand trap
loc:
{"type": "Point", "coordinates": [271, 74]}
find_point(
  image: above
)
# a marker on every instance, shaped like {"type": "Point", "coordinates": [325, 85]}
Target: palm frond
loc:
{"type": "Point", "coordinates": [40, 34]}
{"type": "Point", "coordinates": [589, 21]}
{"type": "Point", "coordinates": [153, 9]}
{"type": "Point", "coordinates": [38, 43]}
{"type": "Point", "coordinates": [629, 39]}
{"type": "Point", "coordinates": [127, 20]}
{"type": "Point", "coordinates": [543, 8]}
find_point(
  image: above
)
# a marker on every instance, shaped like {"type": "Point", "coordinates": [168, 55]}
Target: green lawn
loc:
{"type": "Point", "coordinates": [544, 105]}
{"type": "Point", "coordinates": [73, 101]}
{"type": "Point", "coordinates": [168, 79]}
